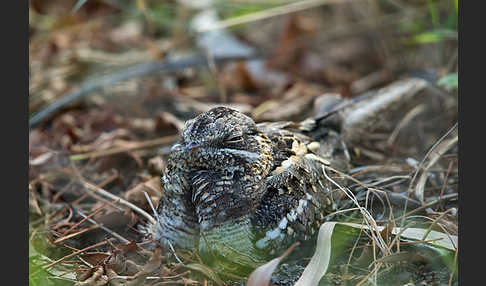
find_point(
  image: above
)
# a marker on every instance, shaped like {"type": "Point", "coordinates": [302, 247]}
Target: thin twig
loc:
{"type": "Point", "coordinates": [151, 206]}
{"type": "Point", "coordinates": [422, 163]}
{"type": "Point", "coordinates": [419, 167]}
{"type": "Point", "coordinates": [173, 251]}
{"type": "Point", "coordinates": [449, 168]}
{"type": "Point", "coordinates": [62, 191]}
{"type": "Point", "coordinates": [454, 270]}
{"type": "Point", "coordinates": [74, 254]}
{"type": "Point", "coordinates": [114, 234]}
{"type": "Point", "coordinates": [404, 122]}
{"type": "Point", "coordinates": [449, 196]}
{"type": "Point", "coordinates": [369, 274]}
{"type": "Point", "coordinates": [119, 200]}
{"type": "Point", "coordinates": [371, 223]}
{"type": "Point", "coordinates": [89, 216]}
{"type": "Point", "coordinates": [66, 237]}
{"type": "Point", "coordinates": [91, 193]}
{"type": "Point", "coordinates": [436, 221]}
{"type": "Point", "coordinates": [441, 149]}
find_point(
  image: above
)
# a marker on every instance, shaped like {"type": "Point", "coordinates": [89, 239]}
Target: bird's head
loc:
{"type": "Point", "coordinates": [220, 138]}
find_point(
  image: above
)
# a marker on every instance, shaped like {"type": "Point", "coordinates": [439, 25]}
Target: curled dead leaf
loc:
{"type": "Point", "coordinates": [262, 275]}
{"type": "Point", "coordinates": [435, 155]}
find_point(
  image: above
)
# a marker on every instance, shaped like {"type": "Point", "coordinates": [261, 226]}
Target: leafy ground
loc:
{"type": "Point", "coordinates": [105, 106]}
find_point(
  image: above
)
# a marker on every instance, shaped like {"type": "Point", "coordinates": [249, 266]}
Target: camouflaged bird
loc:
{"type": "Point", "coordinates": [243, 189]}
{"type": "Point", "coordinates": [243, 192]}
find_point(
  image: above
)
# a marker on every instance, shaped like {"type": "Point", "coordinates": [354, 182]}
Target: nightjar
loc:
{"type": "Point", "coordinates": [242, 190]}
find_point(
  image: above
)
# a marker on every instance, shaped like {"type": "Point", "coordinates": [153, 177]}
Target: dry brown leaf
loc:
{"type": "Point", "coordinates": [289, 48]}
{"type": "Point", "coordinates": [83, 272]}
{"type": "Point", "coordinates": [96, 279]}
{"type": "Point", "coordinates": [131, 246]}
{"type": "Point", "coordinates": [152, 265]}
{"type": "Point", "coordinates": [94, 258]}
{"type": "Point", "coordinates": [104, 141]}
{"type": "Point", "coordinates": [136, 195]}
{"type": "Point", "coordinates": [296, 104]}
{"type": "Point", "coordinates": [121, 265]}
{"type": "Point", "coordinates": [154, 261]}
{"type": "Point", "coordinates": [167, 120]}
{"type": "Point", "coordinates": [237, 77]}
{"type": "Point", "coordinates": [116, 219]}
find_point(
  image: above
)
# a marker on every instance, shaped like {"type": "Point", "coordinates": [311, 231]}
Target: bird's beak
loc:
{"type": "Point", "coordinates": [192, 146]}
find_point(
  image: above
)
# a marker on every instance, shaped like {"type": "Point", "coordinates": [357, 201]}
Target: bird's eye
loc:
{"type": "Point", "coordinates": [234, 139]}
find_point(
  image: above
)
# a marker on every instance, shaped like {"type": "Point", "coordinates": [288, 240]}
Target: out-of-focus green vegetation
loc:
{"type": "Point", "coordinates": [449, 81]}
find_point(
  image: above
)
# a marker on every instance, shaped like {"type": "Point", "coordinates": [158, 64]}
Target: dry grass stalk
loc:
{"type": "Point", "coordinates": [269, 13]}
{"type": "Point", "coordinates": [84, 219]}
{"type": "Point", "coordinates": [74, 254]}
{"type": "Point", "coordinates": [118, 200]}
{"type": "Point", "coordinates": [112, 233]}
{"type": "Point", "coordinates": [66, 237]}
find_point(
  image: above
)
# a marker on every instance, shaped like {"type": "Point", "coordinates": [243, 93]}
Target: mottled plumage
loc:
{"type": "Point", "coordinates": [247, 187]}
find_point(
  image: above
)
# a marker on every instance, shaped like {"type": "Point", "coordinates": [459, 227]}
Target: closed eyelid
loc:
{"type": "Point", "coordinates": [234, 137]}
